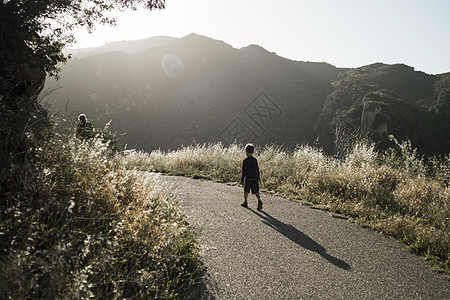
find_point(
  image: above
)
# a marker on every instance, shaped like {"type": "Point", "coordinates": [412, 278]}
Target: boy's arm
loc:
{"type": "Point", "coordinates": [257, 169]}
{"type": "Point", "coordinates": [243, 172]}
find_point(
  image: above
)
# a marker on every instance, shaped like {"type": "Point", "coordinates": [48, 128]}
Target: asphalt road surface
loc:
{"type": "Point", "coordinates": [291, 251]}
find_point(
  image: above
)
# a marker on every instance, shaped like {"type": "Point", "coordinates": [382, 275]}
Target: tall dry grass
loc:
{"type": "Point", "coordinates": [86, 228]}
{"type": "Point", "coordinates": [394, 192]}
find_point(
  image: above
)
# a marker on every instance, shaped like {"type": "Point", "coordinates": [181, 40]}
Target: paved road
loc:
{"type": "Point", "coordinates": [290, 251]}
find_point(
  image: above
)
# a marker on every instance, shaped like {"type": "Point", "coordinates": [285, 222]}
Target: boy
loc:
{"type": "Point", "coordinates": [250, 176]}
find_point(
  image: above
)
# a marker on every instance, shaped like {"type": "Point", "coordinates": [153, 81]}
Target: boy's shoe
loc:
{"type": "Point", "coordinates": [259, 205]}
{"type": "Point", "coordinates": [244, 204]}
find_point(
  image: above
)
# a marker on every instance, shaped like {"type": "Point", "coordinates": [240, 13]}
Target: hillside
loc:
{"type": "Point", "coordinates": [390, 100]}
{"type": "Point", "coordinates": [177, 91]}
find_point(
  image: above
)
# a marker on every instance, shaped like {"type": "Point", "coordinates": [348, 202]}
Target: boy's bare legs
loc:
{"type": "Point", "coordinates": [245, 200]}
{"type": "Point", "coordinates": [259, 201]}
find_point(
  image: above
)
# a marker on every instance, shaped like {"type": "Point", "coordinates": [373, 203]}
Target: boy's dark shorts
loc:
{"type": "Point", "coordinates": [251, 184]}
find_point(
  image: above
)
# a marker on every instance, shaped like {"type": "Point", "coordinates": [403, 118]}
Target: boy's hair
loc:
{"type": "Point", "coordinates": [250, 148]}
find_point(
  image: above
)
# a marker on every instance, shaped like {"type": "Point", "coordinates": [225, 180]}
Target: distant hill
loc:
{"type": "Point", "coordinates": [122, 46]}
{"type": "Point", "coordinates": [165, 92]}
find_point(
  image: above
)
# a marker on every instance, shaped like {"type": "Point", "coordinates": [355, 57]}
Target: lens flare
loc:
{"type": "Point", "coordinates": [172, 66]}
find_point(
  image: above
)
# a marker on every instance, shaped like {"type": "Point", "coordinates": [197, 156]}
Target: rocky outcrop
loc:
{"type": "Point", "coordinates": [373, 120]}
{"type": "Point", "coordinates": [343, 114]}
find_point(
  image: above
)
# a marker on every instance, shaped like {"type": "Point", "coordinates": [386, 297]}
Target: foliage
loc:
{"type": "Point", "coordinates": [72, 224]}
{"type": "Point", "coordinates": [412, 105]}
{"type": "Point", "coordinates": [442, 95]}
{"type": "Point", "coordinates": [347, 139]}
{"type": "Point", "coordinates": [84, 227]}
{"type": "Point", "coordinates": [206, 161]}
{"type": "Point", "coordinates": [395, 192]}
{"type": "Point", "coordinates": [35, 32]}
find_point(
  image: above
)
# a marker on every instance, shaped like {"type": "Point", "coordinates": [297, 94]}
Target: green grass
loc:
{"type": "Point", "coordinates": [85, 227]}
{"type": "Point", "coordinates": [394, 192]}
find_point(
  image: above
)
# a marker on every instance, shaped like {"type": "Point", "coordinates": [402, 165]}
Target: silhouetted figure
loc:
{"type": "Point", "coordinates": [250, 176]}
{"type": "Point", "coordinates": [85, 129]}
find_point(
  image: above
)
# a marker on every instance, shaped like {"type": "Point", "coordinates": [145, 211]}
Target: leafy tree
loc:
{"type": "Point", "coordinates": [35, 31]}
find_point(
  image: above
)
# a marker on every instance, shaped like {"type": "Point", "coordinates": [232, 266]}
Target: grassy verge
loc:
{"type": "Point", "coordinates": [393, 192]}
{"type": "Point", "coordinates": [84, 227]}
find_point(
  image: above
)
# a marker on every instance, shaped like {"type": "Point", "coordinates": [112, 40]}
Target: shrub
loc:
{"type": "Point", "coordinates": [85, 228]}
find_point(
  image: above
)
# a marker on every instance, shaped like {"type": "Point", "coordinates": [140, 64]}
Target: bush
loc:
{"type": "Point", "coordinates": [85, 228]}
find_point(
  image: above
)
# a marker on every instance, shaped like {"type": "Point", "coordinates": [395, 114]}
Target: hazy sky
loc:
{"type": "Point", "coordinates": [345, 33]}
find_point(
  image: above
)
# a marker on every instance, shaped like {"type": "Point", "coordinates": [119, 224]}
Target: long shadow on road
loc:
{"type": "Point", "coordinates": [300, 238]}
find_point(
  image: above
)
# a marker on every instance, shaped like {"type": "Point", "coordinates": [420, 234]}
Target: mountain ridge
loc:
{"type": "Point", "coordinates": [196, 88]}
{"type": "Point", "coordinates": [127, 46]}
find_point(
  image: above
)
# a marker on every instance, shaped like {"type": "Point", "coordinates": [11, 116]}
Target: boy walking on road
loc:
{"type": "Point", "coordinates": [250, 176]}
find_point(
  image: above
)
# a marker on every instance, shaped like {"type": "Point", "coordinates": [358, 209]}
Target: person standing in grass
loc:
{"type": "Point", "coordinates": [85, 129]}
{"type": "Point", "coordinates": [250, 176]}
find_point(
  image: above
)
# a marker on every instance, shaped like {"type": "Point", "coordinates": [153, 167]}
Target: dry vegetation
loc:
{"type": "Point", "coordinates": [394, 192]}
{"type": "Point", "coordinates": [86, 228]}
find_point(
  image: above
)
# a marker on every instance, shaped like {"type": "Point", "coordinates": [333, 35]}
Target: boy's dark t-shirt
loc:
{"type": "Point", "coordinates": [250, 169]}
